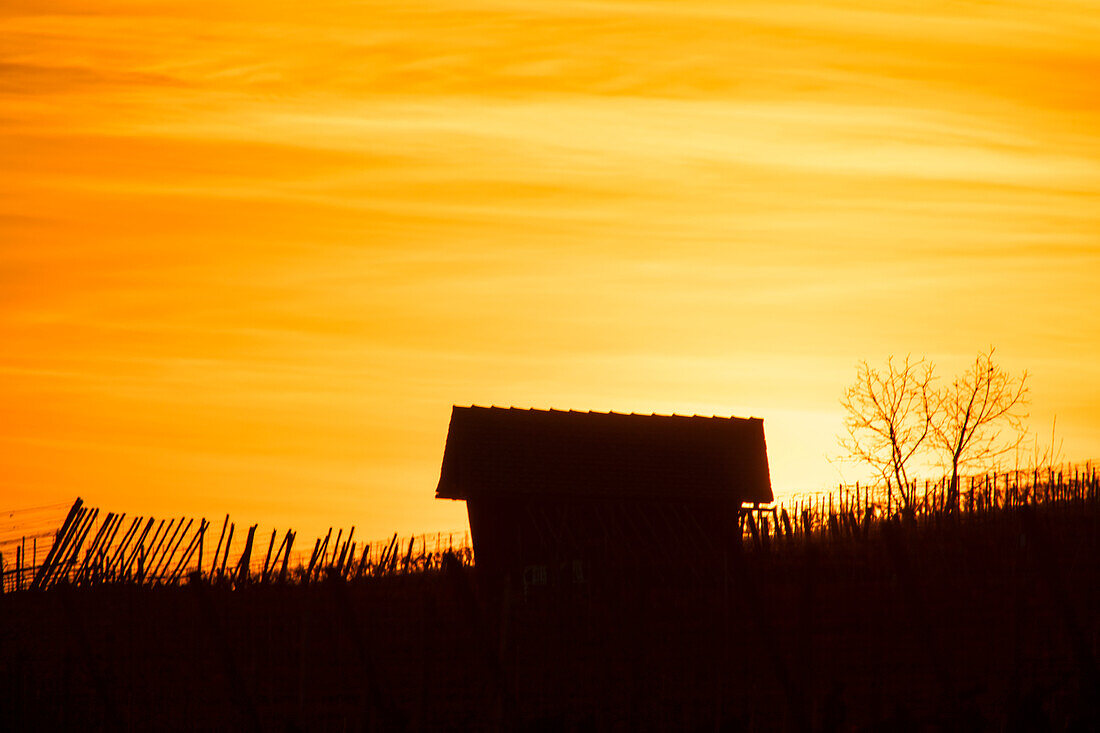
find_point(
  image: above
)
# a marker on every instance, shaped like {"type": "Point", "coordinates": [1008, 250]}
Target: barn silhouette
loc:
{"type": "Point", "coordinates": [558, 498]}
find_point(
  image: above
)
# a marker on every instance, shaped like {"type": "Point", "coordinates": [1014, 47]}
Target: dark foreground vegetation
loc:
{"type": "Point", "coordinates": [976, 616]}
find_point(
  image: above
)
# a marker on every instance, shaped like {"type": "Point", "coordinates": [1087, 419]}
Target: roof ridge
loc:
{"type": "Point", "coordinates": [553, 410]}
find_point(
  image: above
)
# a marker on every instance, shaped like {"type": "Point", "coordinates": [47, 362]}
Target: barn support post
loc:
{"type": "Point", "coordinates": [475, 619]}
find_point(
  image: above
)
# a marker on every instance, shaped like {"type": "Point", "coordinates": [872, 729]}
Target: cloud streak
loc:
{"type": "Point", "coordinates": [251, 239]}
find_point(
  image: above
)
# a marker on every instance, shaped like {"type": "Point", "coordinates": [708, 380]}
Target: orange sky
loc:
{"type": "Point", "coordinates": [251, 253]}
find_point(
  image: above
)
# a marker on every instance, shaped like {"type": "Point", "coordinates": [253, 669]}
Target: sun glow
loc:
{"type": "Point", "coordinates": [251, 253]}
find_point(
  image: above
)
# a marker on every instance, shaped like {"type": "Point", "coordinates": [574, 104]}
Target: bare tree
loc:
{"type": "Point", "coordinates": [888, 418]}
{"type": "Point", "coordinates": [972, 414]}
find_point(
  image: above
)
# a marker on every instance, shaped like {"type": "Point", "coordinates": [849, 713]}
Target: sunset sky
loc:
{"type": "Point", "coordinates": [252, 252]}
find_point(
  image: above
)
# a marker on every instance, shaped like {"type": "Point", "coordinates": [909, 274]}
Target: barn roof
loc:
{"type": "Point", "coordinates": [496, 451]}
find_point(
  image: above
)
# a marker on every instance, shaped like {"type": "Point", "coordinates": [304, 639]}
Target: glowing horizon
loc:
{"type": "Point", "coordinates": [252, 253]}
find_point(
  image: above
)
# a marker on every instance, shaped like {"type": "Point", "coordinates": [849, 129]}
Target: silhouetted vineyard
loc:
{"type": "Point", "coordinates": [834, 613]}
{"type": "Point", "coordinates": [90, 550]}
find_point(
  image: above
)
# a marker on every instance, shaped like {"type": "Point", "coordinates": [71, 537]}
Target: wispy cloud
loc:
{"type": "Point", "coordinates": [259, 235]}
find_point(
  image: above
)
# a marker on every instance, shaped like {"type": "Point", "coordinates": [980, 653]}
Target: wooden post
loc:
{"type": "Point", "coordinates": [153, 543]}
{"type": "Point", "coordinates": [139, 546]}
{"type": "Point", "coordinates": [313, 559]}
{"type": "Point", "coordinates": [343, 553]}
{"type": "Point", "coordinates": [286, 555]}
{"type": "Point", "coordinates": [279, 553]}
{"type": "Point", "coordinates": [89, 555]}
{"type": "Point", "coordinates": [382, 560]}
{"type": "Point", "coordinates": [157, 537]}
{"type": "Point", "coordinates": [363, 560]}
{"type": "Point", "coordinates": [170, 575]}
{"type": "Point", "coordinates": [18, 569]}
{"type": "Point", "coordinates": [196, 541]}
{"type": "Point", "coordinates": [323, 551]}
{"type": "Point", "coordinates": [139, 575]}
{"type": "Point", "coordinates": [246, 556]}
{"type": "Point", "coordinates": [202, 535]}
{"type": "Point", "coordinates": [225, 557]}
{"type": "Point", "coordinates": [408, 555]}
{"type": "Point", "coordinates": [120, 551]}
{"type": "Point", "coordinates": [63, 567]}
{"type": "Point", "coordinates": [115, 562]}
{"type": "Point", "coordinates": [157, 558]}
{"type": "Point", "coordinates": [267, 560]}
{"type": "Point", "coordinates": [218, 551]}
{"type": "Point", "coordinates": [108, 542]}
{"type": "Point", "coordinates": [39, 577]}
{"type": "Point", "coordinates": [391, 557]}
{"type": "Point", "coordinates": [169, 553]}
{"type": "Point", "coordinates": [336, 547]}
{"type": "Point", "coordinates": [345, 560]}
{"type": "Point", "coordinates": [156, 544]}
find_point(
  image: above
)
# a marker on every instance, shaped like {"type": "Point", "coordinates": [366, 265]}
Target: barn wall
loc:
{"type": "Point", "coordinates": [585, 540]}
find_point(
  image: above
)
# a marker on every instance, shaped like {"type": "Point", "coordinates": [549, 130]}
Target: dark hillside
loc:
{"type": "Point", "coordinates": [984, 618]}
